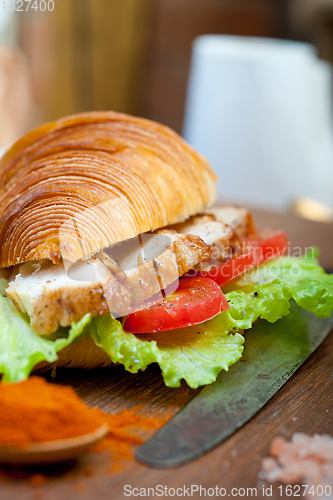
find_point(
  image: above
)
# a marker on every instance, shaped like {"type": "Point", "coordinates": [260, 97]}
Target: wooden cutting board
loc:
{"type": "Point", "coordinates": [304, 404]}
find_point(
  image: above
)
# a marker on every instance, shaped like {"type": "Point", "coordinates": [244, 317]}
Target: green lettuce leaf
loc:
{"type": "Point", "coordinates": [198, 353]}
{"type": "Point", "coordinates": [311, 287]}
{"type": "Point", "coordinates": [269, 301]}
{"type": "Point", "coordinates": [21, 348]}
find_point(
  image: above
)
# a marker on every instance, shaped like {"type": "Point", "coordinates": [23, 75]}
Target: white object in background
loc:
{"type": "Point", "coordinates": [8, 25]}
{"type": "Point", "coordinates": [261, 111]}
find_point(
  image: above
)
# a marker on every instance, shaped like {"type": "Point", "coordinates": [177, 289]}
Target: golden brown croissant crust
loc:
{"type": "Point", "coordinates": [72, 187]}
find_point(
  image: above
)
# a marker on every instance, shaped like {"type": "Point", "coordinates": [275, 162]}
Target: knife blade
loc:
{"type": "Point", "coordinates": [273, 352]}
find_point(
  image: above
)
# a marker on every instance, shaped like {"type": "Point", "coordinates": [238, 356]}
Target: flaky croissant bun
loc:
{"type": "Point", "coordinates": [84, 354]}
{"type": "Point", "coordinates": [72, 187]}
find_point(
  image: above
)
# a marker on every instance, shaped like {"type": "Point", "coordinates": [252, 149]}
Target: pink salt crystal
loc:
{"type": "Point", "coordinates": [273, 474]}
{"type": "Point", "coordinates": [268, 464]}
{"type": "Point", "coordinates": [300, 438]}
{"type": "Point", "coordinates": [327, 469]}
{"type": "Point", "coordinates": [300, 443]}
{"type": "Point", "coordinates": [318, 447]}
{"type": "Point", "coordinates": [305, 468]}
{"type": "Point", "coordinates": [285, 476]}
{"type": "Point", "coordinates": [278, 446]}
{"type": "Point", "coordinates": [288, 457]}
{"type": "Point", "coordinates": [322, 448]}
{"type": "Point", "coordinates": [306, 459]}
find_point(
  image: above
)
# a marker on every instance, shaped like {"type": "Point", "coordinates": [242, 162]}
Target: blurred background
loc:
{"type": "Point", "coordinates": [260, 109]}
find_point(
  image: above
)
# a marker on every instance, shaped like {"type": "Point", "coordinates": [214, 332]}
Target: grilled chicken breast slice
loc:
{"type": "Point", "coordinates": [155, 260]}
{"type": "Point", "coordinates": [218, 235]}
{"type": "Point", "coordinates": [189, 249]}
{"type": "Point", "coordinates": [55, 295]}
{"type": "Point", "coordinates": [239, 219]}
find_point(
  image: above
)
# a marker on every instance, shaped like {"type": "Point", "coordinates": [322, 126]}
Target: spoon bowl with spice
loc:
{"type": "Point", "coordinates": [44, 423]}
{"type": "Point", "coordinates": [62, 450]}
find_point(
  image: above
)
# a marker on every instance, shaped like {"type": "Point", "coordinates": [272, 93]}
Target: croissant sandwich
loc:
{"type": "Point", "coordinates": [111, 252]}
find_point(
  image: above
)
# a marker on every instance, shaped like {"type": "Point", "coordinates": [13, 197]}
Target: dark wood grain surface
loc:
{"type": "Point", "coordinates": [304, 404]}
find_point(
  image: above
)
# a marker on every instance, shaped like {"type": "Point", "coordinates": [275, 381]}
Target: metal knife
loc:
{"type": "Point", "coordinates": [273, 352]}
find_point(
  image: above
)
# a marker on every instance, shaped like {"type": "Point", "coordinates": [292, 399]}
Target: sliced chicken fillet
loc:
{"type": "Point", "coordinates": [239, 219]}
{"type": "Point", "coordinates": [160, 259]}
{"type": "Point", "coordinates": [189, 249]}
{"type": "Point", "coordinates": [216, 234]}
{"type": "Point", "coordinates": [54, 295]}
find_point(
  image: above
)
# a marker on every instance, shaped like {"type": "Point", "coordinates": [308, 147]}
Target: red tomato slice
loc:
{"type": "Point", "coordinates": [195, 301]}
{"type": "Point", "coordinates": [265, 245]}
{"type": "Point", "coordinates": [268, 244]}
{"type": "Point", "coordinates": [232, 269]}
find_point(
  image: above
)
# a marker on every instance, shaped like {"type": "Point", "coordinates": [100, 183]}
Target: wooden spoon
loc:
{"type": "Point", "coordinates": [51, 451]}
